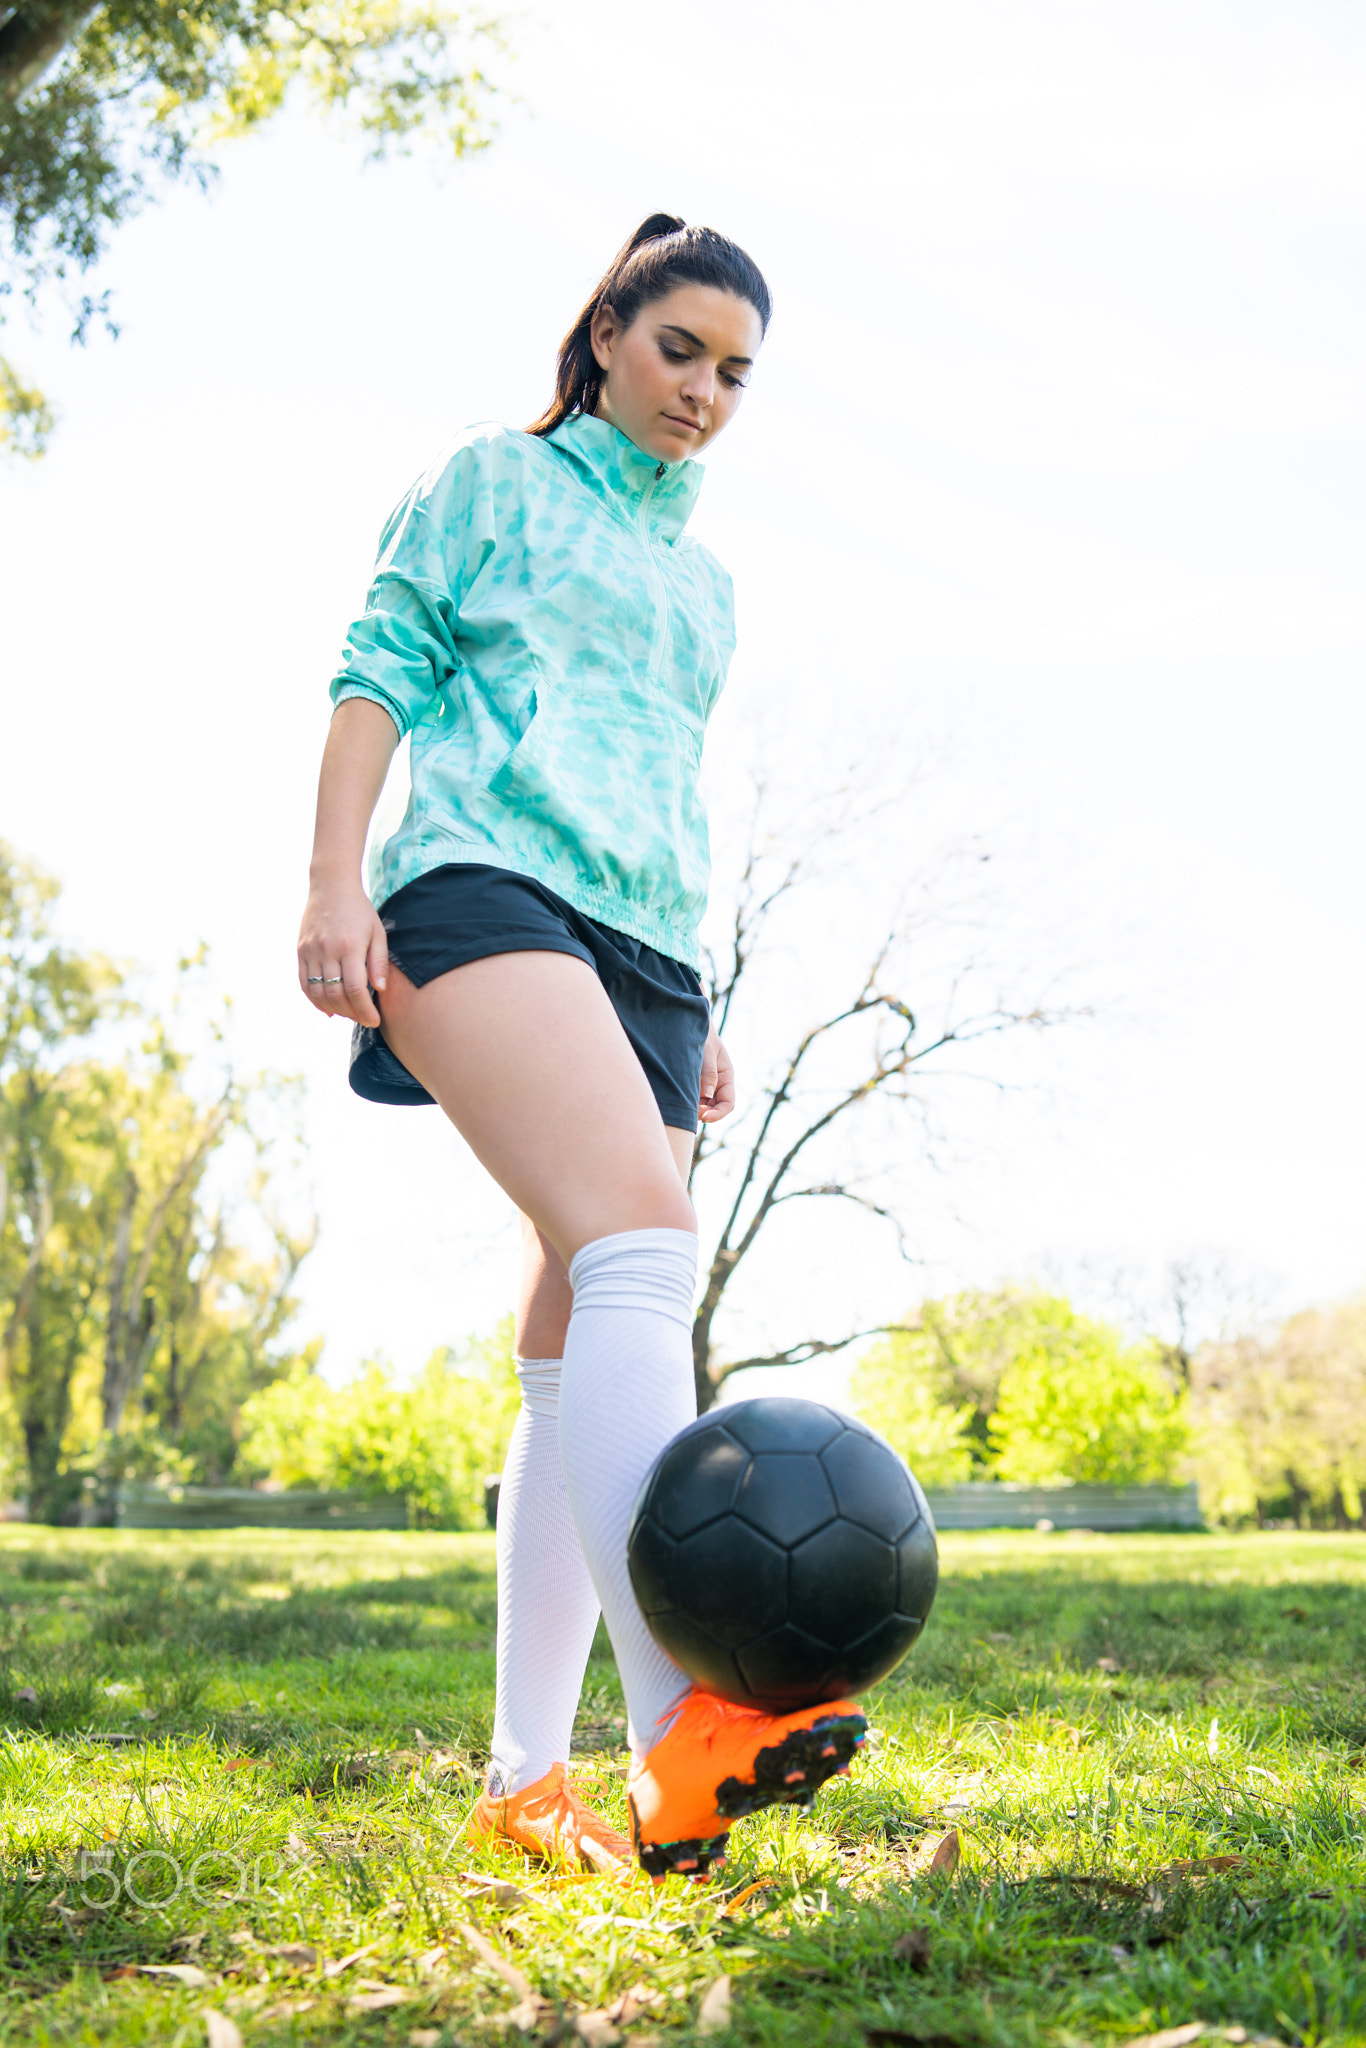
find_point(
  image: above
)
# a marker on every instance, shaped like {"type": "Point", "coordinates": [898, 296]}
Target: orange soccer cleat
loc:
{"type": "Point", "coordinates": [718, 1762]}
{"type": "Point", "coordinates": [549, 1820]}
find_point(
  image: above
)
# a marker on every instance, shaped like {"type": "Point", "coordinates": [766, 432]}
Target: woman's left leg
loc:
{"type": "Point", "coordinates": [547, 1606]}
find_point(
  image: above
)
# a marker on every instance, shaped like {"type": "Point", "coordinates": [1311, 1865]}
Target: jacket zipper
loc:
{"type": "Point", "coordinates": [661, 587]}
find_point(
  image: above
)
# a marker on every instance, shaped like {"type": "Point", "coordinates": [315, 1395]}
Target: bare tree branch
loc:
{"type": "Point", "coordinates": [837, 1191]}
{"type": "Point", "coordinates": [811, 1347]}
{"type": "Point", "coordinates": [792, 1115]}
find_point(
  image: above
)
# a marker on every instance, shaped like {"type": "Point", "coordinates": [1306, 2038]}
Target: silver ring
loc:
{"type": "Point", "coordinates": [313, 977]}
{"type": "Point", "coordinates": [330, 978]}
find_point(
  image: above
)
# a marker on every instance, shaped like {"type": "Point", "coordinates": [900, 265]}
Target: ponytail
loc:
{"type": "Point", "coordinates": [663, 252]}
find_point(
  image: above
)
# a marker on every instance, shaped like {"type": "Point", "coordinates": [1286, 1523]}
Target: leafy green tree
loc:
{"type": "Point", "coordinates": [434, 1440]}
{"type": "Point", "coordinates": [132, 1320]}
{"type": "Point", "coordinates": [1014, 1384]}
{"type": "Point", "coordinates": [1280, 1420]}
{"type": "Point", "coordinates": [902, 1389]}
{"type": "Point", "coordinates": [1075, 1402]}
{"type": "Point", "coordinates": [100, 104]}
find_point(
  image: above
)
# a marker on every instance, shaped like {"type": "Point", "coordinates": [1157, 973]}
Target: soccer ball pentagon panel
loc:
{"type": "Point", "coordinates": [782, 1554]}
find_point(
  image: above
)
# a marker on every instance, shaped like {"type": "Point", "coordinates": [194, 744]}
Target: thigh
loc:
{"type": "Point", "coordinates": [525, 1054]}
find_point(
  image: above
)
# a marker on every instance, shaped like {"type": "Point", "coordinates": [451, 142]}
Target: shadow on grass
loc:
{"type": "Point", "coordinates": [1001, 1642]}
{"type": "Point", "coordinates": [945, 1962]}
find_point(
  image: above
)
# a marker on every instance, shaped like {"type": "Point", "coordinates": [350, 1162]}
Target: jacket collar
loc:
{"type": "Point", "coordinates": [616, 470]}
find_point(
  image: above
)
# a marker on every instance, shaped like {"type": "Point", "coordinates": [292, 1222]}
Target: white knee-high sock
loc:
{"type": "Point", "coordinates": [627, 1388]}
{"type": "Point", "coordinates": [547, 1607]}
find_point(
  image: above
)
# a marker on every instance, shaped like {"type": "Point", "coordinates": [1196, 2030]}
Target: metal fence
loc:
{"type": "Point", "coordinates": [1000, 1505]}
{"type": "Point", "coordinates": [244, 1507]}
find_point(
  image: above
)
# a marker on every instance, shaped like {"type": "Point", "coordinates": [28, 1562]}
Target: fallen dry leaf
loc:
{"type": "Point", "coordinates": [424, 2037]}
{"type": "Point", "coordinates": [357, 1955]}
{"type": "Point", "coordinates": [632, 2003]}
{"type": "Point", "coordinates": [1110, 1664]}
{"type": "Point", "coordinates": [1200, 1866]}
{"type": "Point", "coordinates": [947, 1850]}
{"type": "Point", "coordinates": [368, 1764]}
{"type": "Point", "coordinates": [1170, 2037]}
{"type": "Point", "coordinates": [241, 1763]}
{"type": "Point", "coordinates": [301, 1954]}
{"type": "Point", "coordinates": [190, 1942]}
{"type": "Point", "coordinates": [380, 2000]}
{"type": "Point", "coordinates": [491, 1888]}
{"type": "Point", "coordinates": [188, 1974]}
{"type": "Point", "coordinates": [913, 1948]}
{"type": "Point", "coordinates": [529, 2015]}
{"type": "Point", "coordinates": [597, 2030]}
{"type": "Point", "coordinates": [714, 2012]}
{"type": "Point", "coordinates": [222, 2032]}
{"type": "Point", "coordinates": [429, 1958]}
{"type": "Point", "coordinates": [487, 1953]}
{"type": "Point", "coordinates": [26, 1696]}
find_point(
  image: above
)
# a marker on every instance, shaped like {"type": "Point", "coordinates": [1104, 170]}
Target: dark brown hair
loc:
{"type": "Point", "coordinates": [663, 252]}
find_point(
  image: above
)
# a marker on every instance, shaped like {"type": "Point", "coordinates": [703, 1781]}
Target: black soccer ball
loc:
{"type": "Point", "coordinates": [782, 1554]}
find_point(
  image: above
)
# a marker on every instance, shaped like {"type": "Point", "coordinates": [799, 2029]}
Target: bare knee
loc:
{"type": "Point", "coordinates": [647, 1203]}
{"type": "Point", "coordinates": [545, 1300]}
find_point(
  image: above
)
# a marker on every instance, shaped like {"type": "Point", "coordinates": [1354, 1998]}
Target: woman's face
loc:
{"type": "Point", "coordinates": [676, 374]}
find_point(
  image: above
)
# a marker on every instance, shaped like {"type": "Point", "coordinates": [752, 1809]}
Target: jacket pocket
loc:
{"type": "Point", "coordinates": [606, 780]}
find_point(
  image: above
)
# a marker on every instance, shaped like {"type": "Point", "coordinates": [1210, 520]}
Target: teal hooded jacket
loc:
{"type": "Point", "coordinates": [555, 643]}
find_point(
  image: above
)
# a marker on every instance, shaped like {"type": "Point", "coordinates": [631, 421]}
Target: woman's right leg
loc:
{"type": "Point", "coordinates": [527, 1057]}
{"type": "Point", "coordinates": [547, 1603]}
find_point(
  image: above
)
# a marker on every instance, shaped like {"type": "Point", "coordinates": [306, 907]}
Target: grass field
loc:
{"type": "Point", "coordinates": [249, 1757]}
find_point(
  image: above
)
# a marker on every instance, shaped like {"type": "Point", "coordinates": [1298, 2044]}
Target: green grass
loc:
{"type": "Point", "coordinates": [309, 1716]}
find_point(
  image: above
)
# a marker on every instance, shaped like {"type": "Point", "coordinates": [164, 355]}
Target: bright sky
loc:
{"type": "Point", "coordinates": [1047, 498]}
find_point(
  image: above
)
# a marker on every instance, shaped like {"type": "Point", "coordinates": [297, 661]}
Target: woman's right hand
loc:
{"type": "Point", "coordinates": [343, 951]}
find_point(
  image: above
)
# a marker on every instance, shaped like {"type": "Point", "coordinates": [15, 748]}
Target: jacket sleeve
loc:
{"type": "Point", "coordinates": [404, 647]}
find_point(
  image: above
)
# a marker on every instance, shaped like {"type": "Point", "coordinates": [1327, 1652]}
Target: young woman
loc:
{"type": "Point", "coordinates": [554, 642]}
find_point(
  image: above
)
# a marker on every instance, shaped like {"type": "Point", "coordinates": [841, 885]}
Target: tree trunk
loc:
{"type": "Point", "coordinates": [33, 38]}
{"type": "Point", "coordinates": [701, 1358]}
{"type": "Point", "coordinates": [45, 1414]}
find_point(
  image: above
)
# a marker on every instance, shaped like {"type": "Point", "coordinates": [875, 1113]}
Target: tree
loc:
{"type": "Point", "coordinates": [99, 104]}
{"type": "Point", "coordinates": [1015, 1384]}
{"type": "Point", "coordinates": [50, 998]}
{"type": "Point", "coordinates": [132, 1317]}
{"type": "Point", "coordinates": [1280, 1420]}
{"type": "Point", "coordinates": [434, 1441]}
{"type": "Point", "coordinates": [1075, 1403]}
{"type": "Point", "coordinates": [904, 1390]}
{"type": "Point", "coordinates": [868, 1056]}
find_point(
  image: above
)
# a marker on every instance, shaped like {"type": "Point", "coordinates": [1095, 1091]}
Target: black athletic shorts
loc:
{"type": "Point", "coordinates": [466, 912]}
